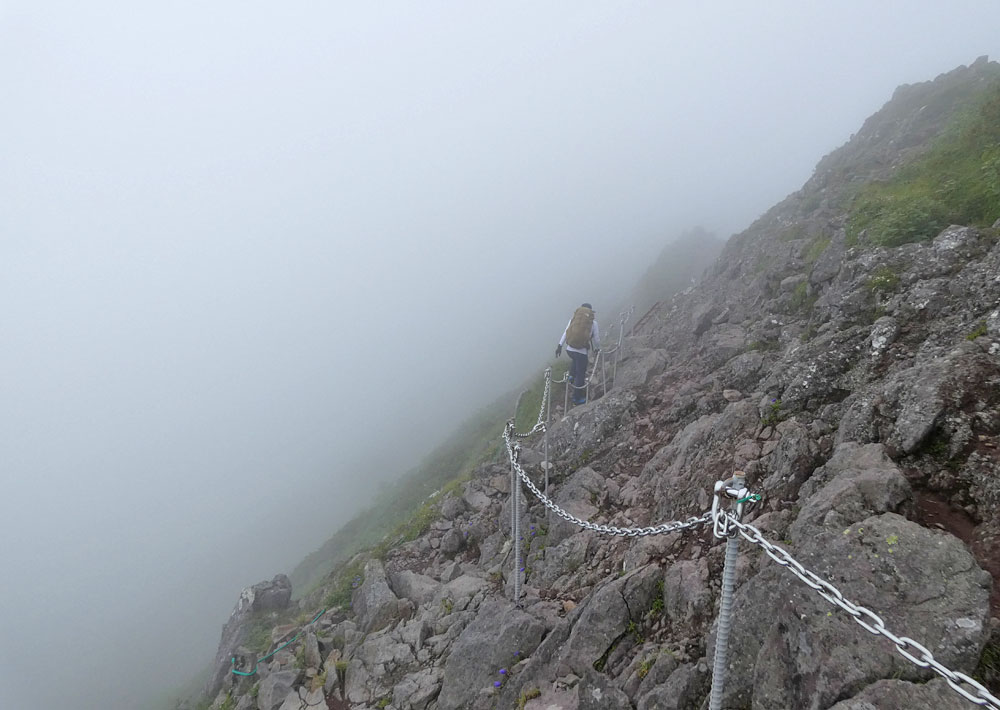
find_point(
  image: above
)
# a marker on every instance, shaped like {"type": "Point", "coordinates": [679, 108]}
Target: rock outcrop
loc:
{"type": "Point", "coordinates": [259, 598]}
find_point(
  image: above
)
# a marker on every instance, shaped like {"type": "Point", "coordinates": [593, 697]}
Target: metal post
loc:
{"type": "Point", "coordinates": [568, 385]}
{"type": "Point", "coordinates": [545, 434]}
{"type": "Point", "coordinates": [586, 382]}
{"type": "Point", "coordinates": [604, 378]}
{"type": "Point", "coordinates": [721, 663]}
{"type": "Point", "coordinates": [517, 540]}
{"type": "Point", "coordinates": [618, 350]}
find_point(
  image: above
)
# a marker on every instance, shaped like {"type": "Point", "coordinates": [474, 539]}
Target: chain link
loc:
{"type": "Point", "coordinates": [916, 653]}
{"type": "Point", "coordinates": [662, 529]}
{"type": "Point", "coordinates": [540, 423]}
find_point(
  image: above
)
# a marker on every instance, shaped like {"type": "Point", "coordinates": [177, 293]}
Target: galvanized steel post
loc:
{"type": "Point", "coordinates": [545, 433]}
{"type": "Point", "coordinates": [730, 489]}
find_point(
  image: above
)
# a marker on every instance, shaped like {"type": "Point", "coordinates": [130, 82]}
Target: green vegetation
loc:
{"type": "Point", "coordinates": [801, 299]}
{"type": "Point", "coordinates": [883, 280]}
{"type": "Point", "coordinates": [792, 232]}
{"type": "Point", "coordinates": [816, 248]}
{"type": "Point", "coordinates": [411, 499]}
{"type": "Point", "coordinates": [979, 330]}
{"type": "Point", "coordinates": [259, 633]}
{"type": "Point", "coordinates": [645, 667]}
{"type": "Point", "coordinates": [773, 413]}
{"type": "Point", "coordinates": [762, 345]}
{"type": "Point", "coordinates": [346, 580]}
{"type": "Point", "coordinates": [957, 181]}
{"type": "Point", "coordinates": [229, 703]}
{"type": "Point", "coordinates": [527, 695]}
{"type": "Point", "coordinates": [988, 671]}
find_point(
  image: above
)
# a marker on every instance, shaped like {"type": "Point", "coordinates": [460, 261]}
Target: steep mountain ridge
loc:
{"type": "Point", "coordinates": [858, 386]}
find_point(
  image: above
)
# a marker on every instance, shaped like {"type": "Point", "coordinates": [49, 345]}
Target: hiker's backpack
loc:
{"type": "Point", "coordinates": [578, 333]}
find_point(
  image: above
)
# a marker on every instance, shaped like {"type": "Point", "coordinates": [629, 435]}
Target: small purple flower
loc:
{"type": "Point", "coordinates": [496, 684]}
{"type": "Point", "coordinates": [517, 653]}
{"type": "Point", "coordinates": [522, 569]}
{"type": "Point", "coordinates": [503, 671]}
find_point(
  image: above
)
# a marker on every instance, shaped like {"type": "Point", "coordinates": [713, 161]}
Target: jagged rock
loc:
{"type": "Point", "coordinates": [459, 592]}
{"type": "Point", "coordinates": [452, 542]}
{"type": "Point", "coordinates": [498, 637]}
{"type": "Point", "coordinates": [418, 588]}
{"type": "Point", "coordinates": [356, 682]}
{"type": "Point", "coordinates": [935, 695]}
{"type": "Point", "coordinates": [476, 499]}
{"type": "Point", "coordinates": [578, 496]}
{"type": "Point", "coordinates": [732, 395]}
{"type": "Point", "coordinates": [312, 656]}
{"type": "Point", "coordinates": [790, 283]}
{"type": "Point", "coordinates": [828, 264]}
{"type": "Point", "coordinates": [453, 507]}
{"type": "Point", "coordinates": [663, 667]}
{"type": "Point", "coordinates": [302, 699]}
{"type": "Point", "coordinates": [792, 461]}
{"type": "Point", "coordinates": [417, 690]}
{"type": "Point", "coordinates": [373, 601]}
{"type": "Point", "coordinates": [261, 597]}
{"type": "Point", "coordinates": [596, 692]}
{"type": "Point", "coordinates": [682, 474]}
{"type": "Point", "coordinates": [274, 688]}
{"type": "Point", "coordinates": [687, 598]}
{"type": "Point", "coordinates": [415, 633]}
{"type": "Point", "coordinates": [683, 690]}
{"type": "Point", "coordinates": [451, 572]}
{"type": "Point", "coordinates": [803, 652]}
{"type": "Point", "coordinates": [604, 619]}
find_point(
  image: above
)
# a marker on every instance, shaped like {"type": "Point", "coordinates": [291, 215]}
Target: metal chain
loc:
{"type": "Point", "coordinates": [967, 687]}
{"type": "Point", "coordinates": [662, 529]}
{"type": "Point", "coordinates": [540, 423]}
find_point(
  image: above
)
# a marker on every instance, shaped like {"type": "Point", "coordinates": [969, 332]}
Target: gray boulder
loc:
{"type": "Point", "coordinates": [803, 652]}
{"type": "Point", "coordinates": [274, 688]}
{"type": "Point", "coordinates": [373, 602]}
{"type": "Point", "coordinates": [418, 588]}
{"type": "Point", "coordinates": [606, 617]}
{"type": "Point", "coordinates": [683, 690]}
{"type": "Point", "coordinates": [497, 639]}
{"type": "Point", "coordinates": [936, 695]}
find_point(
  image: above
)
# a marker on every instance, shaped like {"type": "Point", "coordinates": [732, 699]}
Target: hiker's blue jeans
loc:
{"type": "Point", "coordinates": [578, 375]}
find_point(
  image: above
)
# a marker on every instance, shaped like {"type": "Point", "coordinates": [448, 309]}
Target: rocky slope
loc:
{"type": "Point", "coordinates": [858, 387]}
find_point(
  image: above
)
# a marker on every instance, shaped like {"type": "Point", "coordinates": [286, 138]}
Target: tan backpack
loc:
{"type": "Point", "coordinates": [578, 333]}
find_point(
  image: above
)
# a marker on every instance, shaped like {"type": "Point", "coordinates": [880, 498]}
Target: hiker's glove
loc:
{"type": "Point", "coordinates": [558, 350]}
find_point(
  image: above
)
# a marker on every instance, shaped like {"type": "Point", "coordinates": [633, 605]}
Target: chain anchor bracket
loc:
{"type": "Point", "coordinates": [732, 489]}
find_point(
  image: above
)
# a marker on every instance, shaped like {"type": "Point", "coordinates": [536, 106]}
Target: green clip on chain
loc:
{"type": "Point", "coordinates": [752, 497]}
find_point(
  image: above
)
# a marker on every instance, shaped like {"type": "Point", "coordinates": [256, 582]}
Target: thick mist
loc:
{"type": "Point", "coordinates": [257, 258]}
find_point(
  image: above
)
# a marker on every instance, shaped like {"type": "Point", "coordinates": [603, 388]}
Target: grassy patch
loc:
{"type": "Point", "coordinates": [347, 579]}
{"type": "Point", "coordinates": [762, 345]}
{"type": "Point", "coordinates": [773, 413]}
{"type": "Point", "coordinates": [979, 330]}
{"type": "Point", "coordinates": [957, 181]}
{"type": "Point", "coordinates": [815, 249]}
{"type": "Point", "coordinates": [883, 280]}
{"type": "Point", "coordinates": [527, 695]}
{"type": "Point", "coordinates": [801, 300]}
{"type": "Point", "coordinates": [792, 232]}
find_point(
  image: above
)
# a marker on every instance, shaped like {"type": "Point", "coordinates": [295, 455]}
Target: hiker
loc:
{"type": "Point", "coordinates": [580, 335]}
